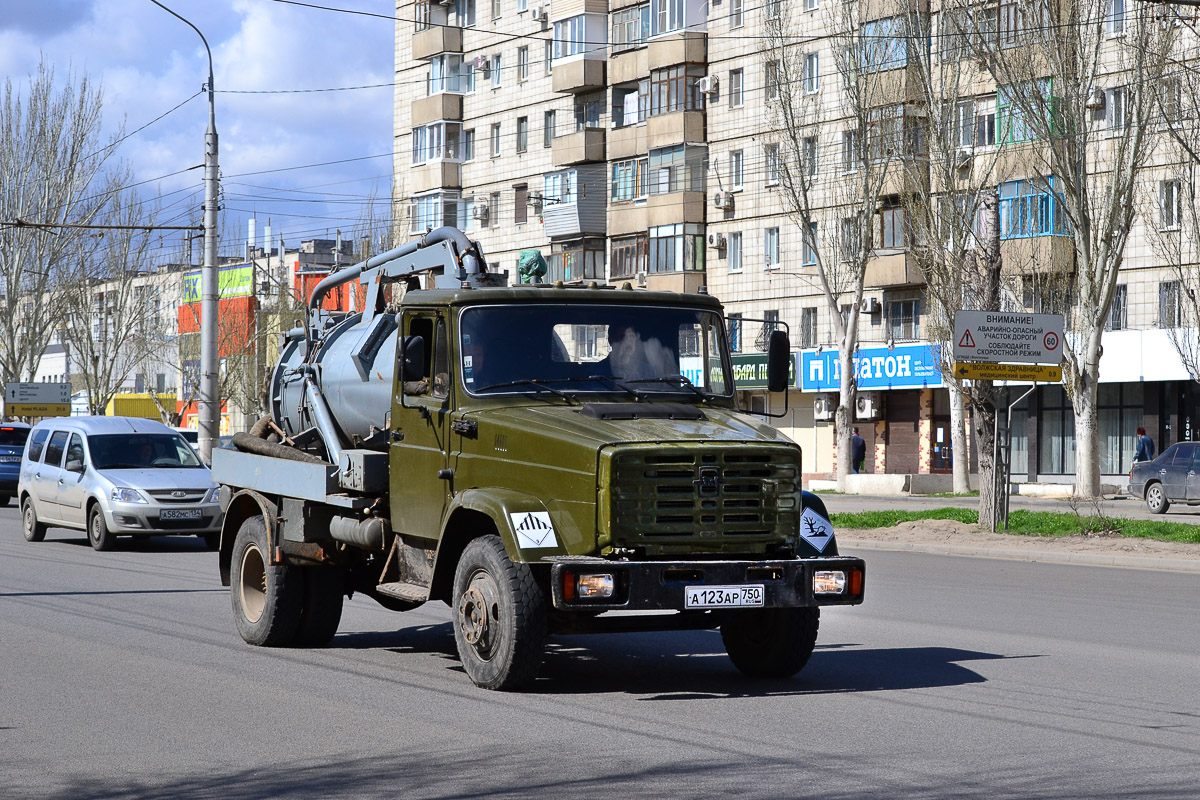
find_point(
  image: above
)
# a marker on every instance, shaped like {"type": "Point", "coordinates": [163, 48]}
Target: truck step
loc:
{"type": "Point", "coordinates": [404, 591]}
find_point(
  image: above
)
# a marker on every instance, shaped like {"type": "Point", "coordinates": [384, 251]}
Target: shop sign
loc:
{"type": "Point", "coordinates": [906, 366]}
{"type": "Point", "coordinates": [750, 370]}
{"type": "Point", "coordinates": [232, 281]}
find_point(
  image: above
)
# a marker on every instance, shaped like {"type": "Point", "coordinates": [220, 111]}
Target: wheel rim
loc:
{"type": "Point", "coordinates": [252, 588]}
{"type": "Point", "coordinates": [95, 527]}
{"type": "Point", "coordinates": [1156, 495]}
{"type": "Point", "coordinates": [479, 614]}
{"type": "Point", "coordinates": [28, 519]}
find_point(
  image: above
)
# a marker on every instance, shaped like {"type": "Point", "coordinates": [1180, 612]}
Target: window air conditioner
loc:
{"type": "Point", "coordinates": [716, 241]}
{"type": "Point", "coordinates": [824, 406]}
{"type": "Point", "coordinates": [445, 2]}
{"type": "Point", "coordinates": [708, 84]}
{"type": "Point", "coordinates": [480, 211]}
{"type": "Point", "coordinates": [483, 63]}
{"type": "Point", "coordinates": [1095, 99]}
{"type": "Point", "coordinates": [870, 305]}
{"type": "Point", "coordinates": [723, 200]}
{"type": "Point", "coordinates": [539, 14]}
{"type": "Point", "coordinates": [867, 405]}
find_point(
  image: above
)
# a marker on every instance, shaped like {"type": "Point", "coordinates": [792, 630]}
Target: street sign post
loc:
{"type": "Point", "coordinates": [1037, 373]}
{"type": "Point", "coordinates": [34, 399]}
{"type": "Point", "coordinates": [1005, 337]}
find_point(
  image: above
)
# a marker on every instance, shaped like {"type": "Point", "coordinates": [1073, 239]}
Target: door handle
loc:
{"type": "Point", "coordinates": [1162, 472]}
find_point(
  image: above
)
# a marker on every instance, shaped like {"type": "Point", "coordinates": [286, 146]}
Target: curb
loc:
{"type": "Point", "coordinates": [1048, 556]}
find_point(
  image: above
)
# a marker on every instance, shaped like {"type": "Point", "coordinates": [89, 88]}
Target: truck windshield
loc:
{"type": "Point", "coordinates": [593, 348]}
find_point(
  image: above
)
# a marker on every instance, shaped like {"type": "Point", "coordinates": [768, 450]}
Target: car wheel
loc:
{"type": "Point", "coordinates": [34, 530]}
{"type": "Point", "coordinates": [1156, 498]}
{"type": "Point", "coordinates": [499, 617]}
{"type": "Point", "coordinates": [267, 600]}
{"type": "Point", "coordinates": [98, 533]}
{"type": "Point", "coordinates": [771, 642]}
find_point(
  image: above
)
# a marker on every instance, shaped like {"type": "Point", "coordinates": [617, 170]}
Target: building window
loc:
{"type": "Point", "coordinates": [771, 248]}
{"type": "Point", "coordinates": [810, 5]}
{"type": "Point", "coordinates": [734, 321]}
{"type": "Point", "coordinates": [1031, 208]}
{"type": "Point", "coordinates": [588, 110]}
{"type": "Point", "coordinates": [850, 155]}
{"type": "Point", "coordinates": [570, 37]}
{"type": "Point", "coordinates": [495, 140]}
{"type": "Point", "coordinates": [433, 211]}
{"type": "Point", "coordinates": [674, 89]}
{"type": "Point", "coordinates": [548, 56]}
{"type": "Point", "coordinates": [629, 179]}
{"type": "Point", "coordinates": [771, 157]}
{"type": "Point", "coordinates": [548, 129]}
{"type": "Point", "coordinates": [737, 13]}
{"type": "Point", "coordinates": [883, 45]}
{"type": "Point", "coordinates": [850, 240]}
{"type": "Point", "coordinates": [496, 71]}
{"type": "Point", "coordinates": [985, 121]}
{"type": "Point", "coordinates": [809, 151]}
{"type": "Point", "coordinates": [495, 9]}
{"type": "Point", "coordinates": [630, 27]}
{"type": "Point", "coordinates": [631, 104]}
{"type": "Point", "coordinates": [1014, 127]}
{"type": "Point", "coordinates": [1115, 113]}
{"type": "Point", "coordinates": [522, 5]}
{"type": "Point", "coordinates": [677, 248]}
{"type": "Point", "coordinates": [737, 82]}
{"type": "Point", "coordinates": [1118, 312]}
{"type": "Point", "coordinates": [809, 248]}
{"type": "Point", "coordinates": [1114, 18]}
{"type": "Point", "coordinates": [629, 255]}
{"type": "Point", "coordinates": [576, 261]}
{"type": "Point", "coordinates": [967, 32]}
{"type": "Point", "coordinates": [1056, 432]}
{"type": "Point", "coordinates": [808, 327]}
{"type": "Point", "coordinates": [468, 145]}
{"type": "Point", "coordinates": [812, 73]}
{"type": "Point", "coordinates": [770, 324]}
{"type": "Point", "coordinates": [677, 169]}
{"type": "Point", "coordinates": [436, 142]}
{"type": "Point", "coordinates": [521, 203]}
{"type": "Point", "coordinates": [734, 253]}
{"type": "Point", "coordinates": [522, 63]}
{"type": "Point", "coordinates": [772, 8]}
{"type": "Point", "coordinates": [666, 16]}
{"type": "Point", "coordinates": [522, 134]}
{"type": "Point", "coordinates": [444, 74]}
{"type": "Point", "coordinates": [1168, 205]}
{"type": "Point", "coordinates": [904, 320]}
{"type": "Point", "coordinates": [1169, 309]}
{"type": "Point", "coordinates": [559, 188]}
{"type": "Point", "coordinates": [422, 18]}
{"type": "Point", "coordinates": [771, 81]}
{"type": "Point", "coordinates": [464, 13]}
{"type": "Point", "coordinates": [891, 228]}
{"type": "Point", "coordinates": [735, 169]}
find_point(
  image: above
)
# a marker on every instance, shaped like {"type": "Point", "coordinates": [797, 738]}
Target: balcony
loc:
{"type": "Point", "coordinates": [438, 39]}
{"type": "Point", "coordinates": [668, 209]}
{"type": "Point", "coordinates": [893, 268]}
{"type": "Point", "coordinates": [1037, 254]}
{"type": "Point", "coordinates": [627, 218]}
{"type": "Point", "coordinates": [628, 66]}
{"type": "Point", "coordinates": [688, 47]}
{"type": "Point", "coordinates": [435, 107]}
{"type": "Point", "coordinates": [578, 75]}
{"type": "Point", "coordinates": [627, 142]}
{"type": "Point", "coordinates": [579, 147]}
{"type": "Point", "coordinates": [677, 127]}
{"type": "Point", "coordinates": [686, 281]}
{"type": "Point", "coordinates": [434, 175]}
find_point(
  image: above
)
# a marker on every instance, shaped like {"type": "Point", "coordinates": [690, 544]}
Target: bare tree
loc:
{"type": "Point", "coordinates": [50, 173]}
{"type": "Point", "coordinates": [109, 301]}
{"type": "Point", "coordinates": [837, 217]}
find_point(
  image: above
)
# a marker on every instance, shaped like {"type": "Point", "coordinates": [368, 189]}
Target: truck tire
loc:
{"type": "Point", "coordinates": [324, 592]}
{"type": "Point", "coordinates": [1156, 498]}
{"type": "Point", "coordinates": [266, 599]}
{"type": "Point", "coordinates": [771, 642]}
{"type": "Point", "coordinates": [34, 530]}
{"type": "Point", "coordinates": [499, 617]}
{"type": "Point", "coordinates": [98, 533]}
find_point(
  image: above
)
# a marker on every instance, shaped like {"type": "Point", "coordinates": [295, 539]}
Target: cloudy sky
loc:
{"type": "Point", "coordinates": [268, 55]}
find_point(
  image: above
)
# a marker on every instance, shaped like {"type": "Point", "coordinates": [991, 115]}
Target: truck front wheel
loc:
{"type": "Point", "coordinates": [771, 642]}
{"type": "Point", "coordinates": [499, 617]}
{"type": "Point", "coordinates": [267, 600]}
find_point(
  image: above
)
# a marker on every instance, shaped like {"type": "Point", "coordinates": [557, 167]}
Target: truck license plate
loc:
{"type": "Point", "coordinates": [179, 513]}
{"type": "Point", "coordinates": [722, 596]}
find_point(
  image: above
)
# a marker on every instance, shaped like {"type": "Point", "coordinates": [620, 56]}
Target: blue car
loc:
{"type": "Point", "coordinates": [12, 443]}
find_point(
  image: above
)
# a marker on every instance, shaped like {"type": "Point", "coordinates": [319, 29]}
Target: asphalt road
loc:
{"type": "Point", "coordinates": [121, 675]}
{"type": "Point", "coordinates": [1120, 506]}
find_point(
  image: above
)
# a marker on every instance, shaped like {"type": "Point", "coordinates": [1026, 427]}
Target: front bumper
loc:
{"type": "Point", "coordinates": [147, 518]}
{"type": "Point", "coordinates": [660, 585]}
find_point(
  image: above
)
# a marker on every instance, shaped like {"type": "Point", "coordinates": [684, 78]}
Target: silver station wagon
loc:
{"type": "Point", "coordinates": [115, 476]}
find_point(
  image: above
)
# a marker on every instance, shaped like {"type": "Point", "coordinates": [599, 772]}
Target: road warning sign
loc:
{"type": "Point", "coordinates": [1001, 337]}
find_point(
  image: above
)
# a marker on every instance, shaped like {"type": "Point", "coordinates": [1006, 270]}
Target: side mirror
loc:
{"type": "Point", "coordinates": [779, 361]}
{"type": "Point", "coordinates": [75, 465]}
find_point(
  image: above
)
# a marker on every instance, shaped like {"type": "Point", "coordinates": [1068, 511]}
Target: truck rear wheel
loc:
{"type": "Point", "coordinates": [267, 600]}
{"type": "Point", "coordinates": [324, 593]}
{"type": "Point", "coordinates": [499, 617]}
{"type": "Point", "coordinates": [771, 642]}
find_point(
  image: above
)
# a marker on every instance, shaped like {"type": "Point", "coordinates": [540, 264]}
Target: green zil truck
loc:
{"type": "Point", "coordinates": [543, 458]}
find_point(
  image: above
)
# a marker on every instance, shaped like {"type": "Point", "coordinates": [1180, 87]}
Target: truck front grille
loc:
{"type": "Point", "coordinates": [718, 496]}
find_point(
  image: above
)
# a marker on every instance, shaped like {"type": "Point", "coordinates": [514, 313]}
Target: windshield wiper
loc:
{"type": "Point", "coordinates": [681, 381]}
{"type": "Point", "coordinates": [538, 386]}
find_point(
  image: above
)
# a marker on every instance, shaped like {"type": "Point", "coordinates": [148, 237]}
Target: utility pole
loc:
{"type": "Point", "coordinates": [210, 400]}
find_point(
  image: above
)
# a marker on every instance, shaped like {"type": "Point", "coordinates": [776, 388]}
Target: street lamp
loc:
{"type": "Point", "coordinates": [209, 398]}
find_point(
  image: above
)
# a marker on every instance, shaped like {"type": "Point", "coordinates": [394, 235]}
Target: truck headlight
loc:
{"type": "Point", "coordinates": [590, 586]}
{"type": "Point", "coordinates": [832, 581]}
{"type": "Point", "coordinates": [122, 495]}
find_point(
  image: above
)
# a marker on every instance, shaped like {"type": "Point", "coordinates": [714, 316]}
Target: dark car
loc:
{"type": "Point", "coordinates": [13, 436]}
{"type": "Point", "coordinates": [1173, 477]}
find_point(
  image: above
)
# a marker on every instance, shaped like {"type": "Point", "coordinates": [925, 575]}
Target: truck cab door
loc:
{"type": "Point", "coordinates": [420, 425]}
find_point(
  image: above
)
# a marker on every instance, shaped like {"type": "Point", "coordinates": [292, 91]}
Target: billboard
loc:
{"type": "Point", "coordinates": [236, 280]}
{"type": "Point", "coordinates": [905, 366]}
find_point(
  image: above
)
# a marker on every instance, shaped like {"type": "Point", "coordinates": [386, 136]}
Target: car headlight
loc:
{"type": "Point", "coordinates": [122, 495]}
{"type": "Point", "coordinates": [214, 495]}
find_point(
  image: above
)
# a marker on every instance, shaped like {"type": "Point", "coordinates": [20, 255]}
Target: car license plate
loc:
{"type": "Point", "coordinates": [10, 459]}
{"type": "Point", "coordinates": [180, 513]}
{"type": "Point", "coordinates": [722, 596]}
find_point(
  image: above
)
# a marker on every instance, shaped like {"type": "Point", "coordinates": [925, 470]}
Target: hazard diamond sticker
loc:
{"type": "Point", "coordinates": [534, 530]}
{"type": "Point", "coordinates": [815, 529]}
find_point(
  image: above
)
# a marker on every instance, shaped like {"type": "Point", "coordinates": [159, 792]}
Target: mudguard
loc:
{"type": "Point", "coordinates": [242, 505]}
{"type": "Point", "coordinates": [521, 519]}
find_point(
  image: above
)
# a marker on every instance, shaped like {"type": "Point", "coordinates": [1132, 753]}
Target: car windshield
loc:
{"type": "Point", "coordinates": [141, 451]}
{"type": "Point", "coordinates": [632, 349]}
{"type": "Point", "coordinates": [13, 437]}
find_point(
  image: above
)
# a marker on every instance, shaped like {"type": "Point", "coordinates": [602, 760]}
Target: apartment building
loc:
{"type": "Point", "coordinates": [640, 141]}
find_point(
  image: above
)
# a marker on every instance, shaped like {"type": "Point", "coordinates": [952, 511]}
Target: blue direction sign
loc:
{"type": "Point", "coordinates": [907, 366]}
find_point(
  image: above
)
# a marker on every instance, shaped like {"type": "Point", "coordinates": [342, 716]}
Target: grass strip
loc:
{"type": "Point", "coordinates": [1032, 523]}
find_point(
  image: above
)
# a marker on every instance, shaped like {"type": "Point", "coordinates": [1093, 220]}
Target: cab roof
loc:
{"type": "Point", "coordinates": [561, 294]}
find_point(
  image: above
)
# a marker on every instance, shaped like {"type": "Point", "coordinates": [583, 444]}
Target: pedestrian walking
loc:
{"type": "Point", "coordinates": [1145, 447]}
{"type": "Point", "coordinates": [858, 452]}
